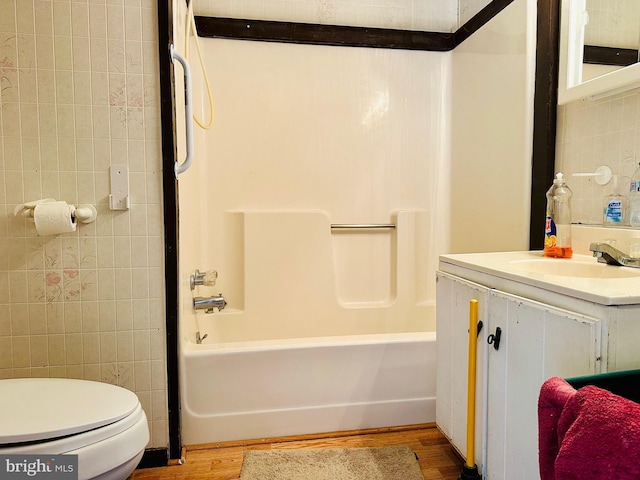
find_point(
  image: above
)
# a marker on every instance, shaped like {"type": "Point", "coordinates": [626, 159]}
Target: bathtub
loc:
{"type": "Point", "coordinates": [323, 331]}
{"type": "Point", "coordinates": [273, 388]}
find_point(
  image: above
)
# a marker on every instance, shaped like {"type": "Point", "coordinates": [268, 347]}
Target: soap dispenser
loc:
{"type": "Point", "coordinates": [615, 206]}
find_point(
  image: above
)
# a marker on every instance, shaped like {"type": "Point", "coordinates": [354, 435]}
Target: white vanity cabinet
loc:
{"type": "Point", "coordinates": [537, 341]}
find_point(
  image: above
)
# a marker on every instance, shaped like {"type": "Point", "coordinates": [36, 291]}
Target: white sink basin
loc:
{"type": "Point", "coordinates": [573, 268]}
{"type": "Point", "coordinates": [580, 277]}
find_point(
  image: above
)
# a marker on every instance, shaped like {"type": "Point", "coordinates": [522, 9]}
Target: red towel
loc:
{"type": "Point", "coordinates": [598, 434]}
{"type": "Point", "coordinates": [554, 394]}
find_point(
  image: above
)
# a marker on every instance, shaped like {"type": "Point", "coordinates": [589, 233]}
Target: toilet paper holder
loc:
{"type": "Point", "coordinates": [83, 213]}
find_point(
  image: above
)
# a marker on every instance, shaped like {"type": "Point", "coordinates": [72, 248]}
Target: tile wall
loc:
{"type": "Point", "coordinates": [79, 93]}
{"type": "Point", "coordinates": [593, 133]}
{"type": "Point", "coordinates": [613, 23]}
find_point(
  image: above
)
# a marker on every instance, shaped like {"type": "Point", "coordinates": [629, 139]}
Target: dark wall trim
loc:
{"type": "Point", "coordinates": [480, 19]}
{"type": "Point", "coordinates": [316, 34]}
{"type": "Point", "coordinates": [610, 56]}
{"type": "Point", "coordinates": [170, 212]}
{"type": "Point", "coordinates": [345, 36]}
{"type": "Point", "coordinates": [544, 119]}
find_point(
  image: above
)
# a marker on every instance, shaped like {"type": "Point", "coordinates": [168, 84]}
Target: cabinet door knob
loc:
{"type": "Point", "coordinates": [494, 338]}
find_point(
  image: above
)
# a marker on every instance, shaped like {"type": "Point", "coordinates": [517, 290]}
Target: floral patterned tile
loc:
{"type": "Point", "coordinates": [80, 78]}
{"type": "Point", "coordinates": [120, 374]}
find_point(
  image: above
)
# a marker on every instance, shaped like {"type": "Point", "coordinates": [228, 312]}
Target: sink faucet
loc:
{"type": "Point", "coordinates": [209, 303]}
{"type": "Point", "coordinates": [605, 253]}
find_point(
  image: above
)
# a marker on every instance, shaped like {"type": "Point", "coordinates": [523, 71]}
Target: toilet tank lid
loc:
{"type": "Point", "coordinates": [33, 409]}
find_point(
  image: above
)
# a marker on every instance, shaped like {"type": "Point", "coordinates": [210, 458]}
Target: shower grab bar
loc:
{"type": "Point", "coordinates": [335, 226]}
{"type": "Point", "coordinates": [188, 113]}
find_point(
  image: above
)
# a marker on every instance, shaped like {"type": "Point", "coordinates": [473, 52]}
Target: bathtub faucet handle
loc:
{"type": "Point", "coordinates": [203, 278]}
{"type": "Point", "coordinates": [209, 303]}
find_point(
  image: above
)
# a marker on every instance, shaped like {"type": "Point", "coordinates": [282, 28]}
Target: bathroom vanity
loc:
{"type": "Point", "coordinates": [553, 317]}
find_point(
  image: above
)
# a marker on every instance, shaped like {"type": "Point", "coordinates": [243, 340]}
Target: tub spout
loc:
{"type": "Point", "coordinates": [209, 303]}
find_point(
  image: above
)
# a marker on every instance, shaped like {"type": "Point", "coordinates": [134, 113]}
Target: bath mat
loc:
{"type": "Point", "coordinates": [380, 463]}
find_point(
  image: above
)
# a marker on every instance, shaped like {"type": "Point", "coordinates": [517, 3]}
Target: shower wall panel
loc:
{"type": "Point", "coordinates": [356, 133]}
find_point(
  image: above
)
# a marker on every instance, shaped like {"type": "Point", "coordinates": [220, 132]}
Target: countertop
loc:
{"type": "Point", "coordinates": [594, 282]}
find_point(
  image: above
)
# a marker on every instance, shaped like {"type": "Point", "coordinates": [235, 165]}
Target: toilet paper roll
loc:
{"type": "Point", "coordinates": [54, 218]}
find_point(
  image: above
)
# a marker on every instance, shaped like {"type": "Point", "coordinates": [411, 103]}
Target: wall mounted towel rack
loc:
{"type": "Point", "coordinates": [336, 226]}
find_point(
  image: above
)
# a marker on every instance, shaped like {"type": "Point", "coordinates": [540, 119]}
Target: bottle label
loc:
{"type": "Point", "coordinates": [613, 213]}
{"type": "Point", "coordinates": [556, 235]}
{"type": "Point", "coordinates": [549, 232]}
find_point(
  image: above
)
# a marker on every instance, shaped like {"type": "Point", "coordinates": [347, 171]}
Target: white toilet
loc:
{"type": "Point", "coordinates": [101, 423]}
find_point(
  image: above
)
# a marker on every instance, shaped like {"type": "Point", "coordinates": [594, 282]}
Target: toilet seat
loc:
{"type": "Point", "coordinates": [101, 423]}
{"type": "Point", "coordinates": [40, 409]}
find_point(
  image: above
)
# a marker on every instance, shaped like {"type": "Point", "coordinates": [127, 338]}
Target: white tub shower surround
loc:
{"type": "Point", "coordinates": [303, 353]}
{"type": "Point", "coordinates": [330, 330]}
{"type": "Point", "coordinates": [307, 137]}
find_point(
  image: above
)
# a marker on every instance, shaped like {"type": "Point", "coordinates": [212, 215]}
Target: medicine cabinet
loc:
{"type": "Point", "coordinates": [599, 43]}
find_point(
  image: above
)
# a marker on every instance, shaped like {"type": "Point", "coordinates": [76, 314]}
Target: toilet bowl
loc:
{"type": "Point", "coordinates": [104, 425]}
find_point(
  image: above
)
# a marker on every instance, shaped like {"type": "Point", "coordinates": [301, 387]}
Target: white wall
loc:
{"type": "Point", "coordinates": [491, 143]}
{"type": "Point", "coordinates": [355, 133]}
{"type": "Point", "coordinates": [468, 8]}
{"type": "Point", "coordinates": [427, 15]}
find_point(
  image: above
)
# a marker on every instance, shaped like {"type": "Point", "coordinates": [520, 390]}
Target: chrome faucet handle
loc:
{"type": "Point", "coordinates": [606, 253]}
{"type": "Point", "coordinates": [203, 278]}
{"type": "Point", "coordinates": [612, 256]}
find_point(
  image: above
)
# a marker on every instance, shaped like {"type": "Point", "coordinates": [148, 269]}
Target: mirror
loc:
{"type": "Point", "coordinates": [599, 43]}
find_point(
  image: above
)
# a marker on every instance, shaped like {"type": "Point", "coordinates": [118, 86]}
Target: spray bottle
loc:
{"type": "Point", "coordinates": [557, 231]}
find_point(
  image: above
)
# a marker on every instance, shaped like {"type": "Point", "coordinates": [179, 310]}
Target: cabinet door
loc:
{"type": "Point", "coordinates": [453, 296]}
{"type": "Point", "coordinates": [537, 342]}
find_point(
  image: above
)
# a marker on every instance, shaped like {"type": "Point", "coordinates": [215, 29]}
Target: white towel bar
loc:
{"type": "Point", "coordinates": [335, 226]}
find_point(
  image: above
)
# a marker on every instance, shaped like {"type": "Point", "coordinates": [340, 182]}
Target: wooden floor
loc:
{"type": "Point", "coordinates": [223, 461]}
